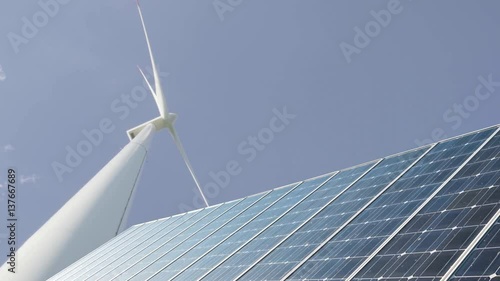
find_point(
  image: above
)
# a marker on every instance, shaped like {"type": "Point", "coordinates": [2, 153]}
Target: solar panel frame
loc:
{"type": "Point", "coordinates": [401, 226]}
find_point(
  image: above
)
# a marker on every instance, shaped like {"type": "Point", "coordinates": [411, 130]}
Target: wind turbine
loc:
{"type": "Point", "coordinates": [102, 204]}
{"type": "Point", "coordinates": [166, 118]}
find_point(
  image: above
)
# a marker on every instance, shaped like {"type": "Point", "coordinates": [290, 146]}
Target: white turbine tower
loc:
{"type": "Point", "coordinates": [166, 118]}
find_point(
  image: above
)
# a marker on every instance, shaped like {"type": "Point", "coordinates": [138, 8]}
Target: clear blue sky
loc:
{"type": "Point", "coordinates": [359, 89]}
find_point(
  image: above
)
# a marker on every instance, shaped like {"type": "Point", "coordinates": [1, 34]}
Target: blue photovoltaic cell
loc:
{"type": "Point", "coordinates": [301, 243]}
{"type": "Point", "coordinates": [197, 252]}
{"type": "Point", "coordinates": [216, 255]}
{"type": "Point", "coordinates": [347, 250]}
{"type": "Point", "coordinates": [122, 242]}
{"type": "Point", "coordinates": [115, 257]}
{"type": "Point", "coordinates": [430, 243]}
{"type": "Point", "coordinates": [244, 258]}
{"type": "Point", "coordinates": [166, 257]}
{"type": "Point", "coordinates": [483, 263]}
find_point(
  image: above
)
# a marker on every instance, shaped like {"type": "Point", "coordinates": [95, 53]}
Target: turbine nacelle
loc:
{"type": "Point", "coordinates": [159, 123]}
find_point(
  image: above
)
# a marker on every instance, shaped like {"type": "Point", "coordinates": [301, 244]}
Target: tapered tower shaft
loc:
{"type": "Point", "coordinates": [95, 214]}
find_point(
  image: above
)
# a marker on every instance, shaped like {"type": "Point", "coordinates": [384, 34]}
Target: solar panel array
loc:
{"type": "Point", "coordinates": [431, 213]}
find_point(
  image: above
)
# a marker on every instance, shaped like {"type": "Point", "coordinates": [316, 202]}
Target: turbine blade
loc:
{"type": "Point", "coordinates": [162, 105]}
{"type": "Point", "coordinates": [186, 160]}
{"type": "Point", "coordinates": [155, 96]}
{"type": "Point", "coordinates": [147, 81]}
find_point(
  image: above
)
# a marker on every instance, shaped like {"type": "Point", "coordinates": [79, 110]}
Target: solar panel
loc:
{"type": "Point", "coordinates": [304, 240]}
{"type": "Point", "coordinates": [484, 260]}
{"type": "Point", "coordinates": [114, 246]}
{"type": "Point", "coordinates": [431, 213]}
{"type": "Point", "coordinates": [279, 229]}
{"type": "Point", "coordinates": [161, 256]}
{"type": "Point", "coordinates": [196, 253]}
{"type": "Point", "coordinates": [234, 242]}
{"type": "Point", "coordinates": [436, 236]}
{"type": "Point", "coordinates": [345, 252]}
{"type": "Point", "coordinates": [133, 248]}
{"type": "Point", "coordinates": [164, 244]}
{"type": "Point", "coordinates": [117, 241]}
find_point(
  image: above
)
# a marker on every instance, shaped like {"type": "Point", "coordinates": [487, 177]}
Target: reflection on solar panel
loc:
{"type": "Point", "coordinates": [432, 213]}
